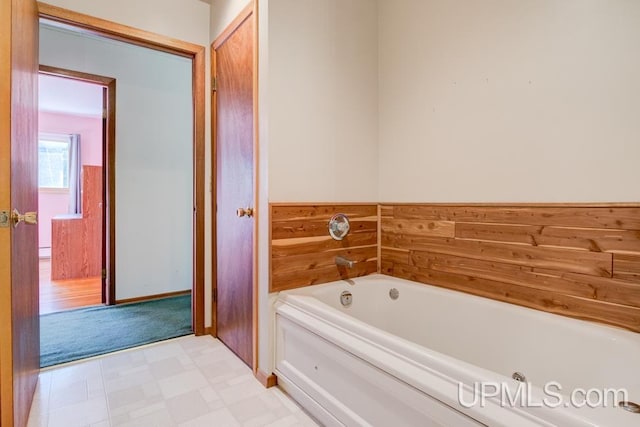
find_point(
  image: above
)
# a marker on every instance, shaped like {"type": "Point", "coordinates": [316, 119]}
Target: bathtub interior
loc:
{"type": "Point", "coordinates": [493, 335]}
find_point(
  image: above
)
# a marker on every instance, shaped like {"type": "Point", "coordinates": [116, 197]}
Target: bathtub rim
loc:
{"type": "Point", "coordinates": [605, 329]}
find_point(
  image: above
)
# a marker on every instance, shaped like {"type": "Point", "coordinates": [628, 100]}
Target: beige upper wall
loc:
{"type": "Point", "coordinates": [321, 100]}
{"type": "Point", "coordinates": [318, 106]}
{"type": "Point", "coordinates": [186, 20]}
{"type": "Point", "coordinates": [223, 12]}
{"type": "Point", "coordinates": [318, 97]}
{"type": "Point", "coordinates": [503, 101]}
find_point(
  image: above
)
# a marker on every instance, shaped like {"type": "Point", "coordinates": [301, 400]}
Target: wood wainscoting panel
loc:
{"type": "Point", "coordinates": [588, 216]}
{"type": "Point", "coordinates": [627, 267]}
{"type": "Point", "coordinates": [303, 253]}
{"type": "Point", "coordinates": [591, 239]}
{"type": "Point", "coordinates": [581, 261]}
{"type": "Point", "coordinates": [585, 262]}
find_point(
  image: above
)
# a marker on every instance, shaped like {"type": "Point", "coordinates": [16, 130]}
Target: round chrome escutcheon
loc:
{"type": "Point", "coordinates": [339, 226]}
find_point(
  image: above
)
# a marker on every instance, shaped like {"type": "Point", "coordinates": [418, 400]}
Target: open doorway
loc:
{"type": "Point", "coordinates": [159, 230]}
{"type": "Point", "coordinates": [76, 114]}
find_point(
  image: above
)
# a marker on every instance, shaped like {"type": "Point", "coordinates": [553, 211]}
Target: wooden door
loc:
{"type": "Point", "coordinates": [234, 159]}
{"type": "Point", "coordinates": [19, 320]}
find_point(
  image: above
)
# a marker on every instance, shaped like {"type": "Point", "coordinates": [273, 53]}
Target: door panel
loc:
{"type": "Point", "coordinates": [19, 299]}
{"type": "Point", "coordinates": [234, 189]}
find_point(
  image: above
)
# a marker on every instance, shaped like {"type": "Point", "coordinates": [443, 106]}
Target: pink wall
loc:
{"type": "Point", "coordinates": [90, 130]}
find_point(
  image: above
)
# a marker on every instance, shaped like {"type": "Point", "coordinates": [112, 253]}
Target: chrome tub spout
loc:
{"type": "Point", "coordinates": [344, 262]}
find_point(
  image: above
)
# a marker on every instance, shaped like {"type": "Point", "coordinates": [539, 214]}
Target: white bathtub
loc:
{"type": "Point", "coordinates": [385, 362]}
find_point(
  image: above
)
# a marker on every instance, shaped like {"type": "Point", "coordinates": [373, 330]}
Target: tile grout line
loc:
{"type": "Point", "coordinates": [104, 389]}
{"type": "Point", "coordinates": [48, 407]}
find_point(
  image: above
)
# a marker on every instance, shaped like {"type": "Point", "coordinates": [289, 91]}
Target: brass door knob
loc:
{"type": "Point", "coordinates": [28, 217]}
{"type": "Point", "coordinates": [248, 212]}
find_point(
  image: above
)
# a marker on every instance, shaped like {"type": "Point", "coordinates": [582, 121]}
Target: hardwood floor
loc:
{"type": "Point", "coordinates": [59, 295]}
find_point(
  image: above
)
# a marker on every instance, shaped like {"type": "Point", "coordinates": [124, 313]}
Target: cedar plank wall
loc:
{"type": "Point", "coordinates": [577, 261]}
{"type": "Point", "coordinates": [303, 253]}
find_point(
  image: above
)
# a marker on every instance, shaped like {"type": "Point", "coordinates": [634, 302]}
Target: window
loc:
{"type": "Point", "coordinates": [54, 152]}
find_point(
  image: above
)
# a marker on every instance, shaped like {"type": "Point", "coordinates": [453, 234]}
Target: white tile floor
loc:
{"type": "Point", "coordinates": [188, 381]}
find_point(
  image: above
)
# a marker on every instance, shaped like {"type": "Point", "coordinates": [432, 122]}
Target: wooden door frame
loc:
{"type": "Point", "coordinates": [249, 12]}
{"type": "Point", "coordinates": [196, 53]}
{"type": "Point", "coordinates": [108, 174]}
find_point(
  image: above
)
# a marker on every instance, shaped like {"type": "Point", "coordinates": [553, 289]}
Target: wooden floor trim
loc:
{"type": "Point", "coordinates": [267, 381]}
{"type": "Point", "coordinates": [516, 204]}
{"type": "Point", "coordinates": [153, 297]}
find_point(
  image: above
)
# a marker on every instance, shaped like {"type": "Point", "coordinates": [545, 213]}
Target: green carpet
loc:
{"type": "Point", "coordinates": [77, 334]}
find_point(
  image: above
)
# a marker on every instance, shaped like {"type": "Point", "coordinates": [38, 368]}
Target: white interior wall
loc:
{"type": "Point", "coordinates": [154, 156]}
{"type": "Point", "coordinates": [503, 101]}
{"type": "Point", "coordinates": [323, 103]}
{"type": "Point", "coordinates": [318, 111]}
{"type": "Point", "coordinates": [186, 20]}
{"type": "Point", "coordinates": [492, 101]}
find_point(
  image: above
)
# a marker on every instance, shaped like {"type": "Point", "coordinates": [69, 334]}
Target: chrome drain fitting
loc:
{"type": "Point", "coordinates": [346, 298]}
{"type": "Point", "coordinates": [630, 406]}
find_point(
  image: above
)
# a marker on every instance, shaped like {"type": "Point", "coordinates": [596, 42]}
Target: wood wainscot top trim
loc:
{"type": "Point", "coordinates": [277, 204]}
{"type": "Point", "coordinates": [520, 204]}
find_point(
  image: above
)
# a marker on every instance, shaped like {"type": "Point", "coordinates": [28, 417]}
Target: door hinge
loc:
{"type": "Point", "coordinates": [214, 84]}
{"type": "Point", "coordinates": [104, 273]}
{"type": "Point", "coordinates": [5, 219]}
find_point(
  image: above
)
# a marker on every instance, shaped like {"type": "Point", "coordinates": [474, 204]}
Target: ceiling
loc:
{"type": "Point", "coordinates": [61, 95]}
